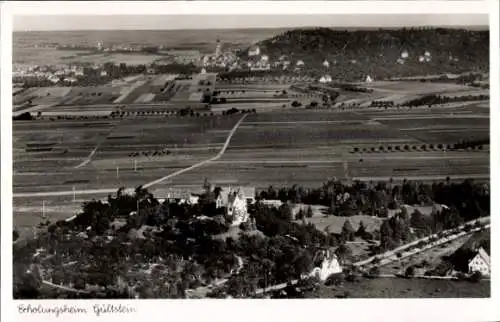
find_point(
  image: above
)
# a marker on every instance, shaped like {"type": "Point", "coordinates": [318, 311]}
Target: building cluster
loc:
{"type": "Point", "coordinates": [426, 57]}
{"type": "Point", "coordinates": [221, 58]}
{"type": "Point", "coordinates": [186, 57]}
{"type": "Point", "coordinates": [55, 74]}
{"type": "Point", "coordinates": [234, 200]}
{"type": "Point", "coordinates": [99, 46]}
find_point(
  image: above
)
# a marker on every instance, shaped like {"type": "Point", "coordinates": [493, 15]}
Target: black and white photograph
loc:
{"type": "Point", "coordinates": [246, 156]}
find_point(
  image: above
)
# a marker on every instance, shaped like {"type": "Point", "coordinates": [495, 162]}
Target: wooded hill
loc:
{"type": "Point", "coordinates": [354, 54]}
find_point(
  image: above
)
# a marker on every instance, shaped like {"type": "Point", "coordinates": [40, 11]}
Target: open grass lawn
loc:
{"type": "Point", "coordinates": [408, 288]}
{"type": "Point", "coordinates": [334, 223]}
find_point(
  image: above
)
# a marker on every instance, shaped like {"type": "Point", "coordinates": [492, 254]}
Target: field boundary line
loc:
{"type": "Point", "coordinates": [202, 163]}
{"type": "Point", "coordinates": [149, 184]}
{"type": "Point", "coordinates": [91, 155]}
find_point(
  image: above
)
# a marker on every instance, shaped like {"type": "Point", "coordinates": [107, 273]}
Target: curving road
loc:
{"type": "Point", "coordinates": [146, 185]}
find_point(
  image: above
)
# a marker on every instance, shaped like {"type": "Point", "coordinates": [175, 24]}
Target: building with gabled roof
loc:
{"type": "Point", "coordinates": [480, 263]}
{"type": "Point", "coordinates": [235, 200]}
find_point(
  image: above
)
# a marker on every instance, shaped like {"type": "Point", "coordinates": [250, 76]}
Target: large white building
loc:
{"type": "Point", "coordinates": [326, 264]}
{"type": "Point", "coordinates": [236, 200]}
{"type": "Point", "coordinates": [480, 263]}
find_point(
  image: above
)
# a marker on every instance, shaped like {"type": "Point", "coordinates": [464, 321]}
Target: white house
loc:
{"type": "Point", "coordinates": [264, 58]}
{"type": "Point", "coordinates": [404, 54]}
{"type": "Point", "coordinates": [326, 263]}
{"type": "Point", "coordinates": [235, 200]}
{"type": "Point", "coordinates": [421, 59]}
{"type": "Point", "coordinates": [104, 73]}
{"type": "Point", "coordinates": [79, 73]}
{"type": "Point", "coordinates": [368, 79]}
{"type": "Point", "coordinates": [300, 63]}
{"type": "Point", "coordinates": [70, 80]}
{"type": "Point", "coordinates": [325, 79]}
{"type": "Point", "coordinates": [54, 79]}
{"type": "Point", "coordinates": [254, 51]}
{"type": "Point", "coordinates": [480, 263]}
{"type": "Point", "coordinates": [326, 64]}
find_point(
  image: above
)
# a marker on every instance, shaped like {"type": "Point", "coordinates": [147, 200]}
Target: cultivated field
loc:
{"type": "Point", "coordinates": [48, 159]}
{"type": "Point", "coordinates": [277, 147]}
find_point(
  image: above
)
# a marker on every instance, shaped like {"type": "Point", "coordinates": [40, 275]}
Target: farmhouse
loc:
{"type": "Point", "coordinates": [480, 263]}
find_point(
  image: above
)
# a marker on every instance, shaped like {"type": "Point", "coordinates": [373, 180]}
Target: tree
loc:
{"type": "Point", "coordinates": [410, 271]}
{"type": "Point", "coordinates": [15, 235]}
{"type": "Point", "coordinates": [476, 277]}
{"type": "Point", "coordinates": [361, 229]}
{"type": "Point", "coordinates": [386, 233]}
{"type": "Point", "coordinates": [418, 220]}
{"type": "Point", "coordinates": [309, 212]}
{"type": "Point", "coordinates": [342, 252]}
{"type": "Point", "coordinates": [300, 214]}
{"type": "Point", "coordinates": [374, 271]}
{"type": "Point", "coordinates": [332, 209]}
{"type": "Point", "coordinates": [348, 232]}
{"type": "Point", "coordinates": [286, 212]}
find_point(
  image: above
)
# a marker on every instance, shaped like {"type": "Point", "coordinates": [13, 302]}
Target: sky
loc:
{"type": "Point", "coordinates": [172, 22]}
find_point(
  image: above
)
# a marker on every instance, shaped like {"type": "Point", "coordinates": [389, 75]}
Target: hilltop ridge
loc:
{"type": "Point", "coordinates": [381, 53]}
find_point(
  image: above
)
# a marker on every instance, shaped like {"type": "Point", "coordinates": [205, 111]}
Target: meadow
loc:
{"type": "Point", "coordinates": [276, 146]}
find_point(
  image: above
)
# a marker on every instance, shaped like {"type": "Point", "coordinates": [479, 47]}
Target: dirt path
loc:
{"type": "Point", "coordinates": [148, 184]}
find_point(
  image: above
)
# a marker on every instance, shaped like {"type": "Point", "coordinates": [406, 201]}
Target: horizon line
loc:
{"type": "Point", "coordinates": [255, 28]}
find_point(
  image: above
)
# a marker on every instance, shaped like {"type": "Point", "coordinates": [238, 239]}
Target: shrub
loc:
{"type": "Point", "coordinates": [354, 278]}
{"type": "Point", "coordinates": [475, 277]}
{"type": "Point", "coordinates": [374, 271]}
{"type": "Point", "coordinates": [335, 279]}
{"type": "Point", "coordinates": [410, 271]}
{"type": "Point", "coordinates": [15, 235]}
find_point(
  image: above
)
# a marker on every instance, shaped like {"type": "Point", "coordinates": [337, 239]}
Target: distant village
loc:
{"type": "Point", "coordinates": [219, 60]}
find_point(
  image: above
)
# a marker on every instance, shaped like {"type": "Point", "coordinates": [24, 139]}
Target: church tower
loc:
{"type": "Point", "coordinates": [218, 48]}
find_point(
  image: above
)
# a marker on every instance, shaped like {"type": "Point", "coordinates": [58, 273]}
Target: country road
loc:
{"type": "Point", "coordinates": [221, 152]}
{"type": "Point", "coordinates": [390, 255]}
{"type": "Point", "coordinates": [146, 185]}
